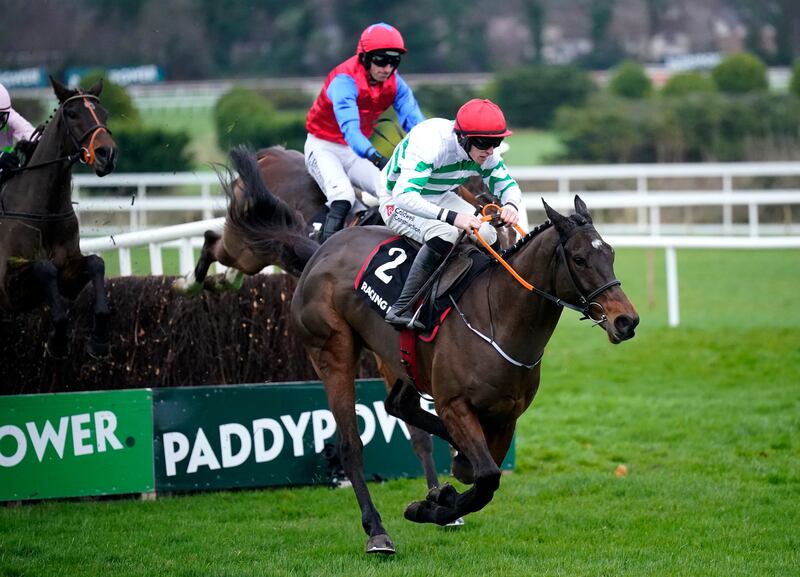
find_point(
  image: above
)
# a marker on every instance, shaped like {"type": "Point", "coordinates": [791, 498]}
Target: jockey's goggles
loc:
{"type": "Point", "coordinates": [4, 118]}
{"type": "Point", "coordinates": [485, 142]}
{"type": "Point", "coordinates": [382, 60]}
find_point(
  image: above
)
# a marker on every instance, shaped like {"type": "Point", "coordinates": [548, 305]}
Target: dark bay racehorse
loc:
{"type": "Point", "coordinates": [40, 258]}
{"type": "Point", "coordinates": [285, 175]}
{"type": "Point", "coordinates": [479, 393]}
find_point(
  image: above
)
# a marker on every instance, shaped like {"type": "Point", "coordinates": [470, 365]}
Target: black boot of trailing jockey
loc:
{"type": "Point", "coordinates": [428, 260]}
{"type": "Point", "coordinates": [334, 221]}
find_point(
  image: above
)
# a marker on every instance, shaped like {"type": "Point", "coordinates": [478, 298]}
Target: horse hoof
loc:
{"type": "Point", "coordinates": [444, 495]}
{"type": "Point", "coordinates": [419, 512]}
{"type": "Point", "coordinates": [380, 544]}
{"type": "Point", "coordinates": [457, 523]}
{"type": "Point", "coordinates": [183, 287]}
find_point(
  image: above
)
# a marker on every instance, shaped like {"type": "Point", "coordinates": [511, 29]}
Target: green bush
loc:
{"type": "Point", "coordinates": [697, 127]}
{"type": "Point", "coordinates": [740, 73]}
{"type": "Point", "coordinates": [151, 150]}
{"type": "Point", "coordinates": [794, 84]}
{"type": "Point", "coordinates": [286, 99]}
{"type": "Point", "coordinates": [242, 116]}
{"type": "Point", "coordinates": [629, 80]}
{"type": "Point", "coordinates": [530, 96]}
{"type": "Point", "coordinates": [443, 101]}
{"type": "Point", "coordinates": [607, 130]}
{"type": "Point", "coordinates": [115, 99]}
{"type": "Point", "coordinates": [685, 83]}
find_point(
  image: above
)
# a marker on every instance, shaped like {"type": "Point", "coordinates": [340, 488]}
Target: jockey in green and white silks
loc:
{"type": "Point", "coordinates": [418, 198]}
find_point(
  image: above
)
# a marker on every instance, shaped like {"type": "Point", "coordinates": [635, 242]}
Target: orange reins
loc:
{"type": "Point", "coordinates": [486, 217]}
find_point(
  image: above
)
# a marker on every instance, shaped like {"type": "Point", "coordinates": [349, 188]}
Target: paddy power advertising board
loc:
{"type": "Point", "coordinates": [194, 438]}
{"type": "Point", "coordinates": [76, 444]}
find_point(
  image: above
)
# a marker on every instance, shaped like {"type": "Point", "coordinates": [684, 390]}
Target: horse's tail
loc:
{"type": "Point", "coordinates": [269, 227]}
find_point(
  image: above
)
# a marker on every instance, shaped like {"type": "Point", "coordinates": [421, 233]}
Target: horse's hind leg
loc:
{"type": "Point", "coordinates": [45, 274]}
{"type": "Point", "coordinates": [335, 362]}
{"type": "Point", "coordinates": [192, 283]}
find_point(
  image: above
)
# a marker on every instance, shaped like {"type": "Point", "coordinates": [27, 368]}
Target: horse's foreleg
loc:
{"type": "Point", "coordinates": [98, 345]}
{"type": "Point", "coordinates": [445, 505]}
{"type": "Point", "coordinates": [336, 364]}
{"type": "Point", "coordinates": [45, 274]}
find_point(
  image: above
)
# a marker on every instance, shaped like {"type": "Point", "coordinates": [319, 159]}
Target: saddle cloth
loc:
{"type": "Point", "coordinates": [385, 270]}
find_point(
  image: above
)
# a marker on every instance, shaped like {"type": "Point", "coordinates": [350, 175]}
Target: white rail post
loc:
{"type": "Point", "coordinates": [186, 255]}
{"type": "Point", "coordinates": [673, 313]}
{"type": "Point", "coordinates": [727, 208]}
{"type": "Point", "coordinates": [641, 188]}
{"type": "Point", "coordinates": [752, 218]}
{"type": "Point", "coordinates": [156, 263]}
{"type": "Point", "coordinates": [125, 266]}
{"type": "Point", "coordinates": [141, 192]}
{"type": "Point", "coordinates": [205, 194]}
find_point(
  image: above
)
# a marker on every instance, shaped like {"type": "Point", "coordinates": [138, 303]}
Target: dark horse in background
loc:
{"type": "Point", "coordinates": [40, 257]}
{"type": "Point", "coordinates": [478, 393]}
{"type": "Point", "coordinates": [285, 175]}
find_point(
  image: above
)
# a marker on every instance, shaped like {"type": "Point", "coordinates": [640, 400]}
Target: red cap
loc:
{"type": "Point", "coordinates": [481, 118]}
{"type": "Point", "coordinates": [381, 36]}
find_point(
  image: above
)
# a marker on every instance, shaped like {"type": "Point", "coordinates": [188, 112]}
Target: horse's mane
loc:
{"type": "Point", "coordinates": [576, 219]}
{"type": "Point", "coordinates": [525, 239]}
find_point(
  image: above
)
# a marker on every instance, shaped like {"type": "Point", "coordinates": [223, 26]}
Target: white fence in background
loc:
{"type": "Point", "coordinates": [188, 236]}
{"type": "Point", "coordinates": [557, 184]}
{"type": "Point", "coordinates": [642, 196]}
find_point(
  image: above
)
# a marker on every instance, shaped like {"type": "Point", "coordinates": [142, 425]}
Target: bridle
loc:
{"type": "Point", "coordinates": [84, 154]}
{"type": "Point", "coordinates": [87, 153]}
{"type": "Point", "coordinates": [586, 307]}
{"type": "Point", "coordinates": [587, 302]}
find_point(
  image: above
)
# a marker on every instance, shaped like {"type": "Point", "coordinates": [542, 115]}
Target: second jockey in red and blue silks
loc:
{"type": "Point", "coordinates": [338, 152]}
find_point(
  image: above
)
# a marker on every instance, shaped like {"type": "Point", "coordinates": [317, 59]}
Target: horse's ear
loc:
{"type": "Point", "coordinates": [560, 222]}
{"type": "Point", "coordinates": [580, 208]}
{"type": "Point", "coordinates": [96, 88]}
{"type": "Point", "coordinates": [61, 91]}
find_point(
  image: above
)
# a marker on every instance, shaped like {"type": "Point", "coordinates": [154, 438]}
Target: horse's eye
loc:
{"type": "Point", "coordinates": [579, 260]}
{"type": "Point", "coordinates": [71, 113]}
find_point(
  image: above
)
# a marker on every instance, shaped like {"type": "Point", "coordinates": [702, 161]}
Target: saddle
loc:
{"type": "Point", "coordinates": [384, 273]}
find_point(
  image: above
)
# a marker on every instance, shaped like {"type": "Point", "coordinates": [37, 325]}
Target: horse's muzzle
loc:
{"type": "Point", "coordinates": [623, 328]}
{"type": "Point", "coordinates": [105, 160]}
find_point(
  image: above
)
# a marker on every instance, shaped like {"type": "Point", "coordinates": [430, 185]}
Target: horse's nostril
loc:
{"type": "Point", "coordinates": [625, 324]}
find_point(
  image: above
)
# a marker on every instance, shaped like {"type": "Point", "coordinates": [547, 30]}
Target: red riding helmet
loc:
{"type": "Point", "coordinates": [380, 36]}
{"type": "Point", "coordinates": [481, 118]}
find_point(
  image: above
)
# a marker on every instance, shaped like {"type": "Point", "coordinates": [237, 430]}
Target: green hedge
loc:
{"type": "Point", "coordinates": [243, 116]}
{"type": "Point", "coordinates": [143, 149]}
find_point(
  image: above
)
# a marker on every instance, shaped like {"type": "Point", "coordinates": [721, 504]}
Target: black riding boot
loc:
{"type": "Point", "coordinates": [424, 265]}
{"type": "Point", "coordinates": [334, 221]}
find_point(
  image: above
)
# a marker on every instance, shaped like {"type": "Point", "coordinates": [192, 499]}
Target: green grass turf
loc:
{"type": "Point", "coordinates": [705, 417]}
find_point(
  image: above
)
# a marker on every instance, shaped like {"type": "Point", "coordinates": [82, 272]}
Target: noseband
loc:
{"type": "Point", "coordinates": [87, 153]}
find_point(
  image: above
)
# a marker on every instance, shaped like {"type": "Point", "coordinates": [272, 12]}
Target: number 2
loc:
{"type": "Point", "coordinates": [380, 272]}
